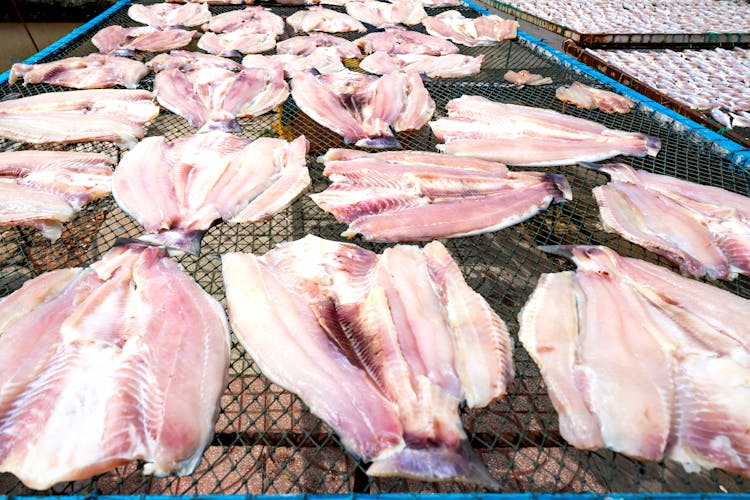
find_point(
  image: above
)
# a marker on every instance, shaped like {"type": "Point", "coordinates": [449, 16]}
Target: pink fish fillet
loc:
{"type": "Point", "coordinates": [398, 41]}
{"type": "Point", "coordinates": [164, 15]}
{"type": "Point", "coordinates": [483, 30]}
{"type": "Point", "coordinates": [234, 43]}
{"type": "Point", "coordinates": [124, 360]}
{"type": "Point", "coordinates": [317, 18]}
{"type": "Point", "coordinates": [587, 97]}
{"type": "Point", "coordinates": [305, 45]}
{"type": "Point", "coordinates": [177, 190]}
{"type": "Point", "coordinates": [668, 386]}
{"type": "Point", "coordinates": [254, 19]}
{"type": "Point", "coordinates": [525, 77]}
{"type": "Point", "coordinates": [447, 66]}
{"type": "Point", "coordinates": [95, 71]}
{"type": "Point", "coordinates": [127, 41]}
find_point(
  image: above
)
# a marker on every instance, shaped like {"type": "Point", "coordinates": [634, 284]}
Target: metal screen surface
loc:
{"type": "Point", "coordinates": [266, 441]}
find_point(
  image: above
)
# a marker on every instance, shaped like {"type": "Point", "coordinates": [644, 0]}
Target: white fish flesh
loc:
{"type": "Point", "coordinates": [214, 2]}
{"type": "Point", "coordinates": [398, 41]}
{"type": "Point", "coordinates": [185, 60]}
{"type": "Point", "coordinates": [95, 71]}
{"type": "Point", "coordinates": [117, 116]}
{"type": "Point", "coordinates": [165, 15]}
{"type": "Point", "coordinates": [387, 14]}
{"type": "Point", "coordinates": [124, 360]}
{"type": "Point", "coordinates": [408, 196]}
{"type": "Point", "coordinates": [324, 60]}
{"type": "Point", "coordinates": [254, 19]}
{"type": "Point", "coordinates": [304, 45]}
{"type": "Point", "coordinates": [318, 18]}
{"type": "Point", "coordinates": [364, 109]}
{"type": "Point", "coordinates": [705, 230]}
{"type": "Point", "coordinates": [442, 3]}
{"type": "Point", "coordinates": [237, 42]}
{"type": "Point", "coordinates": [177, 189]}
{"type": "Point", "coordinates": [43, 189]}
{"type": "Point", "coordinates": [525, 77]}
{"type": "Point", "coordinates": [211, 98]}
{"type": "Point", "coordinates": [522, 135]}
{"type": "Point", "coordinates": [587, 97]}
{"type": "Point", "coordinates": [483, 30]}
{"type": "Point", "coordinates": [669, 385]}
{"type": "Point", "coordinates": [447, 66]}
{"type": "Point", "coordinates": [382, 347]}
{"type": "Point", "coordinates": [127, 41]}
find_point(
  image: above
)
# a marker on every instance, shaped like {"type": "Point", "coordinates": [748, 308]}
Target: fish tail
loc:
{"type": "Point", "coordinates": [653, 145]}
{"type": "Point", "coordinates": [383, 141]}
{"type": "Point", "coordinates": [436, 463]}
{"type": "Point", "coordinates": [562, 185]}
{"type": "Point", "coordinates": [179, 241]}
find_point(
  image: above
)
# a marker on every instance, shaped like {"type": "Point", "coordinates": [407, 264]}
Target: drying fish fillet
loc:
{"type": "Point", "coordinates": [211, 98]}
{"type": "Point", "coordinates": [95, 71]}
{"type": "Point", "coordinates": [164, 15]}
{"type": "Point", "coordinates": [177, 189]}
{"type": "Point", "coordinates": [397, 41]}
{"type": "Point", "coordinates": [416, 196]}
{"type": "Point", "coordinates": [186, 61]}
{"type": "Point", "coordinates": [447, 66]}
{"type": "Point", "coordinates": [324, 60]}
{"type": "Point", "coordinates": [442, 3]}
{"type": "Point", "coordinates": [305, 45]}
{"type": "Point", "coordinates": [525, 77]}
{"type": "Point", "coordinates": [126, 41]}
{"type": "Point", "coordinates": [250, 19]}
{"type": "Point", "coordinates": [214, 2]}
{"type": "Point", "coordinates": [363, 108]}
{"type": "Point", "coordinates": [587, 97]}
{"type": "Point", "coordinates": [237, 42]}
{"type": "Point", "coordinates": [522, 135]}
{"type": "Point", "coordinates": [81, 115]}
{"type": "Point", "coordinates": [42, 189]}
{"type": "Point", "coordinates": [124, 360]}
{"type": "Point", "coordinates": [703, 229]}
{"type": "Point", "coordinates": [384, 14]}
{"type": "Point", "coordinates": [483, 30]}
{"type": "Point", "coordinates": [382, 347]}
{"type": "Point", "coordinates": [318, 18]}
{"type": "Point", "coordinates": [642, 361]}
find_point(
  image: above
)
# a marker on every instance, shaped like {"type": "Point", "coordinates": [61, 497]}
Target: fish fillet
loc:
{"type": "Point", "coordinates": [177, 189]}
{"type": "Point", "coordinates": [394, 198]}
{"type": "Point", "coordinates": [523, 135]}
{"type": "Point", "coordinates": [387, 14]}
{"type": "Point", "coordinates": [525, 77]}
{"type": "Point", "coordinates": [670, 385]}
{"type": "Point", "coordinates": [397, 334]}
{"type": "Point", "coordinates": [703, 229]}
{"type": "Point", "coordinates": [164, 15]}
{"type": "Point", "coordinates": [324, 60]}
{"type": "Point", "coordinates": [95, 71]}
{"type": "Point", "coordinates": [237, 42]}
{"type": "Point", "coordinates": [483, 30]}
{"type": "Point", "coordinates": [185, 60]}
{"type": "Point", "coordinates": [117, 116]}
{"type": "Point", "coordinates": [398, 41]}
{"type": "Point", "coordinates": [363, 108]}
{"type": "Point", "coordinates": [254, 19]}
{"type": "Point", "coordinates": [587, 97]}
{"type": "Point", "coordinates": [305, 45]}
{"type": "Point", "coordinates": [316, 18]}
{"type": "Point", "coordinates": [447, 66]}
{"type": "Point", "coordinates": [124, 360]}
{"type": "Point", "coordinates": [121, 41]}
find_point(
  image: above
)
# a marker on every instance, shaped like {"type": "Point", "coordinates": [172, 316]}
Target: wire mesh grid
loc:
{"type": "Point", "coordinates": [266, 441]}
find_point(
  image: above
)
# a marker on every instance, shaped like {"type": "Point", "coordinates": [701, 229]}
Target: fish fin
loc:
{"type": "Point", "coordinates": [10, 97]}
{"type": "Point", "coordinates": [562, 184]}
{"type": "Point", "coordinates": [561, 250]}
{"type": "Point", "coordinates": [653, 145]}
{"type": "Point", "coordinates": [180, 241]}
{"type": "Point", "coordinates": [432, 463]}
{"type": "Point", "coordinates": [378, 142]}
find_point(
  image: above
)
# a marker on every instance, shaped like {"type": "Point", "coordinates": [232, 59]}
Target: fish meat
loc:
{"type": "Point", "coordinates": [442, 3]}
{"type": "Point", "coordinates": [185, 60]}
{"type": "Point", "coordinates": [587, 97]}
{"type": "Point", "coordinates": [214, 2]}
{"type": "Point", "coordinates": [95, 71]}
{"type": "Point", "coordinates": [483, 30]}
{"type": "Point", "coordinates": [237, 42]}
{"type": "Point", "coordinates": [165, 15]}
{"type": "Point", "coordinates": [324, 60]}
{"type": "Point", "coordinates": [305, 45]}
{"type": "Point", "coordinates": [316, 18]}
{"type": "Point", "coordinates": [669, 385]}
{"type": "Point", "coordinates": [253, 19]}
{"type": "Point", "coordinates": [705, 230]}
{"type": "Point", "coordinates": [211, 98]}
{"type": "Point", "coordinates": [386, 14]}
{"type": "Point", "coordinates": [398, 41]}
{"type": "Point", "coordinates": [381, 347]}
{"type": "Point", "coordinates": [364, 108]}
{"type": "Point", "coordinates": [43, 189]}
{"type": "Point", "coordinates": [177, 190]}
{"type": "Point", "coordinates": [123, 360]}
{"type": "Point", "coordinates": [121, 41]}
{"type": "Point", "coordinates": [117, 116]}
{"type": "Point", "coordinates": [447, 66]}
{"type": "Point", "coordinates": [523, 135]}
{"type": "Point", "coordinates": [408, 196]}
{"type": "Point", "coordinates": [525, 77]}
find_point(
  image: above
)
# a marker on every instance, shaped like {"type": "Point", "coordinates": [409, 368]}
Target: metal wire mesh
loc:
{"type": "Point", "coordinates": [266, 441]}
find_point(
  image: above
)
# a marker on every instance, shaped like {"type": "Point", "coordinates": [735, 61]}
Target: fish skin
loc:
{"type": "Point", "coordinates": [397, 41]}
{"type": "Point", "coordinates": [66, 396]}
{"type": "Point", "coordinates": [95, 71]}
{"type": "Point", "coordinates": [164, 15]}
{"type": "Point", "coordinates": [177, 190]}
